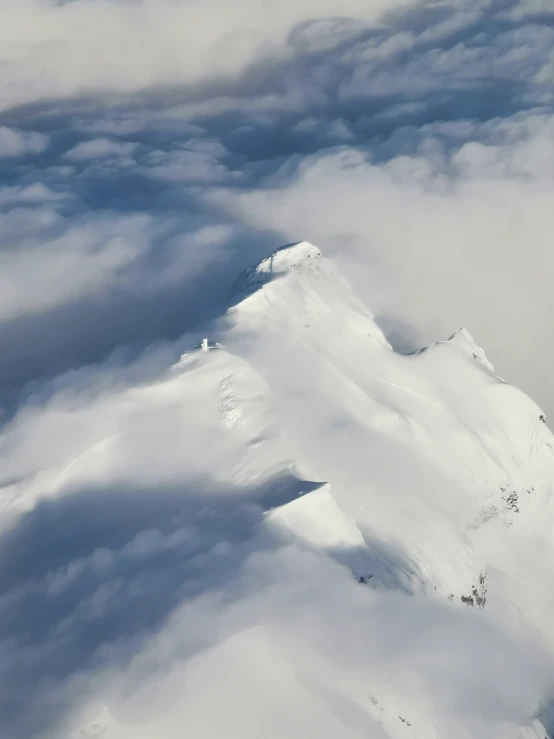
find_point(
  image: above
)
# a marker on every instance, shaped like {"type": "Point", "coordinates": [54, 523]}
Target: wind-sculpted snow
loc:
{"type": "Point", "coordinates": [279, 527]}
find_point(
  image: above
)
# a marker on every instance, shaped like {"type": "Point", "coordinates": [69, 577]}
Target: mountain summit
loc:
{"type": "Point", "coordinates": [355, 543]}
{"type": "Point", "coordinates": [299, 255]}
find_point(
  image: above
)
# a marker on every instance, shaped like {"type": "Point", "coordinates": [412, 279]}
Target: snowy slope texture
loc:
{"type": "Point", "coordinates": [281, 528]}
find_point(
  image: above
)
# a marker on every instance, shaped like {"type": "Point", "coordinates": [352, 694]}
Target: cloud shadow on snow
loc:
{"type": "Point", "coordinates": [103, 568]}
{"type": "Point", "coordinates": [87, 578]}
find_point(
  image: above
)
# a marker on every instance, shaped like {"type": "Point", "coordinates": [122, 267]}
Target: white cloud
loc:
{"type": "Point", "coordinates": [52, 50]}
{"type": "Point", "coordinates": [304, 633]}
{"type": "Point", "coordinates": [35, 193]}
{"type": "Point", "coordinates": [61, 262]}
{"type": "Point", "coordinates": [99, 149]}
{"type": "Point", "coordinates": [198, 162]}
{"type": "Point", "coordinates": [15, 143]}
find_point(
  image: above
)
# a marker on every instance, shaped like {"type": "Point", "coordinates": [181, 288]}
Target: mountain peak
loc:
{"type": "Point", "coordinates": [462, 334]}
{"type": "Point", "coordinates": [300, 254]}
{"type": "Point", "coordinates": [465, 340]}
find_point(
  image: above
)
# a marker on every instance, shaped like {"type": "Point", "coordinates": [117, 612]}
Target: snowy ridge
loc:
{"type": "Point", "coordinates": [466, 343]}
{"type": "Point", "coordinates": [317, 521]}
{"type": "Point", "coordinates": [438, 405]}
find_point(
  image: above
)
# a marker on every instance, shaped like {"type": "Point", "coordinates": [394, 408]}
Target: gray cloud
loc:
{"type": "Point", "coordinates": [14, 143]}
{"type": "Point", "coordinates": [99, 149]}
{"type": "Point", "coordinates": [57, 50]}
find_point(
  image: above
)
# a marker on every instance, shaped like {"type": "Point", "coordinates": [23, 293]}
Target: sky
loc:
{"type": "Point", "coordinates": [152, 149]}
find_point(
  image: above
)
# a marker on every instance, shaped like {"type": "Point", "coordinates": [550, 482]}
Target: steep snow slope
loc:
{"type": "Point", "coordinates": [421, 451]}
{"type": "Point", "coordinates": [345, 541]}
{"type": "Point", "coordinates": [446, 394]}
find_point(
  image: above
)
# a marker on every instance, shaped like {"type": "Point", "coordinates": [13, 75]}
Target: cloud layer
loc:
{"type": "Point", "coordinates": [59, 49]}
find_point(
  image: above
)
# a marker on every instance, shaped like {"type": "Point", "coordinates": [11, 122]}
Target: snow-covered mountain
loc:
{"type": "Point", "coordinates": [357, 543]}
{"type": "Point", "coordinates": [432, 453]}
